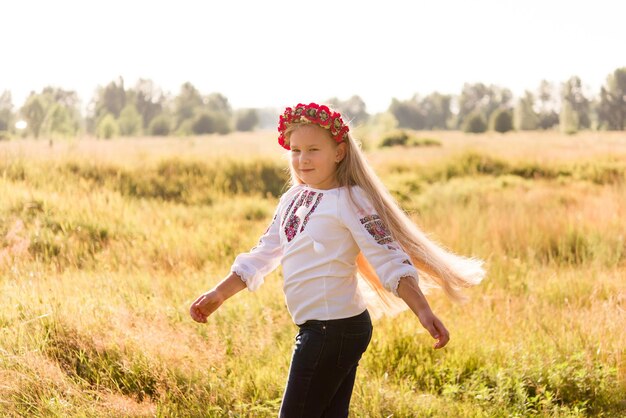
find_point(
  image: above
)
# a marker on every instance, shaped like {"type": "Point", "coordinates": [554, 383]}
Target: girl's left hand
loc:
{"type": "Point", "coordinates": [435, 327]}
{"type": "Point", "coordinates": [414, 298]}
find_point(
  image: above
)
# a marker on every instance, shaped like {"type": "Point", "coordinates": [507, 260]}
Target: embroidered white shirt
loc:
{"type": "Point", "coordinates": [316, 236]}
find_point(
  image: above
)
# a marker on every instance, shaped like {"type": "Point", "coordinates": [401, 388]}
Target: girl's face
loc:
{"type": "Point", "coordinates": [315, 155]}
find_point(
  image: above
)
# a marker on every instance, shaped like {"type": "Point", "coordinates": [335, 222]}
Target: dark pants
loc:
{"type": "Point", "coordinates": [323, 366]}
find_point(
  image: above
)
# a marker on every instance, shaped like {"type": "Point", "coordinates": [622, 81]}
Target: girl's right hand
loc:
{"type": "Point", "coordinates": [205, 305]}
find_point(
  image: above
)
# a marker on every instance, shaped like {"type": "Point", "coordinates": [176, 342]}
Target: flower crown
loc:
{"type": "Point", "coordinates": [313, 113]}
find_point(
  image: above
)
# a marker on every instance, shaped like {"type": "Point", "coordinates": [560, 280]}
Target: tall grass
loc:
{"type": "Point", "coordinates": [100, 258]}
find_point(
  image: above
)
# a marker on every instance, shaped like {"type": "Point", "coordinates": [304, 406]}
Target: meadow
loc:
{"type": "Point", "coordinates": [104, 245]}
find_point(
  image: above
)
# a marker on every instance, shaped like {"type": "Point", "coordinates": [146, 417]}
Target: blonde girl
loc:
{"type": "Point", "coordinates": [347, 250]}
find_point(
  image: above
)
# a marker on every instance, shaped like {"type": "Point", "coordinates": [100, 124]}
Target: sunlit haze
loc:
{"type": "Point", "coordinates": [275, 53]}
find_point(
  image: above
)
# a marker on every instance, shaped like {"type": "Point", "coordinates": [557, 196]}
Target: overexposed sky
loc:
{"type": "Point", "coordinates": [278, 53]}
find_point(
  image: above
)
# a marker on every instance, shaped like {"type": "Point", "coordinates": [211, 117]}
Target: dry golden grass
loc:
{"type": "Point", "coordinates": [104, 244]}
{"type": "Point", "coordinates": [543, 147]}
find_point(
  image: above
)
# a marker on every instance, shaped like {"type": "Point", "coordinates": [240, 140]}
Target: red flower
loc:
{"type": "Point", "coordinates": [311, 114]}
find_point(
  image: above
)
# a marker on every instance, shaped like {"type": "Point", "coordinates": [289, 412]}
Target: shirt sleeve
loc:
{"type": "Point", "coordinates": [375, 241]}
{"type": "Point", "coordinates": [262, 259]}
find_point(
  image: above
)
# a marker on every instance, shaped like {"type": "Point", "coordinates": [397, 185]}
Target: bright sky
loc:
{"type": "Point", "coordinates": [278, 53]}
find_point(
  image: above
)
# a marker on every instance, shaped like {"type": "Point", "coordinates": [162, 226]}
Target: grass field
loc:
{"type": "Point", "coordinates": [104, 245]}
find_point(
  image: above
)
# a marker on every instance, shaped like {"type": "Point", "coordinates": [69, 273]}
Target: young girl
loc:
{"type": "Point", "coordinates": [345, 246]}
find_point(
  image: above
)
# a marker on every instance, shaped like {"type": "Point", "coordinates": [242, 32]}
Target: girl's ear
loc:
{"type": "Point", "coordinates": [340, 152]}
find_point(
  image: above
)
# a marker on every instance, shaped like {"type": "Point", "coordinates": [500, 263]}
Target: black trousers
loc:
{"type": "Point", "coordinates": [323, 366]}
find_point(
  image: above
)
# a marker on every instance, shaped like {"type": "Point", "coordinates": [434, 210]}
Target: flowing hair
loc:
{"type": "Point", "coordinates": [438, 267]}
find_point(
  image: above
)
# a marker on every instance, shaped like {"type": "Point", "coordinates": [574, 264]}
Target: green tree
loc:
{"type": "Point", "coordinates": [547, 105]}
{"type": "Point", "coordinates": [612, 106]}
{"type": "Point", "coordinates": [475, 122]}
{"type": "Point", "coordinates": [160, 126]}
{"type": "Point", "coordinates": [222, 124]}
{"type": "Point", "coordinates": [130, 121]}
{"type": "Point", "coordinates": [34, 113]}
{"type": "Point", "coordinates": [218, 103]}
{"type": "Point", "coordinates": [208, 122]}
{"type": "Point", "coordinates": [110, 99]}
{"type": "Point", "coordinates": [407, 113]}
{"type": "Point", "coordinates": [149, 100]}
{"type": "Point", "coordinates": [204, 123]}
{"type": "Point", "coordinates": [6, 112]}
{"type": "Point", "coordinates": [436, 108]}
{"type": "Point", "coordinates": [383, 122]}
{"type": "Point", "coordinates": [188, 102]}
{"type": "Point", "coordinates": [185, 129]}
{"type": "Point", "coordinates": [107, 127]}
{"type": "Point", "coordinates": [524, 116]}
{"type": "Point", "coordinates": [58, 121]}
{"type": "Point", "coordinates": [572, 92]}
{"type": "Point", "coordinates": [568, 118]}
{"type": "Point", "coordinates": [501, 120]}
{"type": "Point", "coordinates": [62, 114]}
{"type": "Point", "coordinates": [353, 110]}
{"type": "Point", "coordinates": [431, 112]}
{"type": "Point", "coordinates": [246, 120]}
{"type": "Point", "coordinates": [482, 98]}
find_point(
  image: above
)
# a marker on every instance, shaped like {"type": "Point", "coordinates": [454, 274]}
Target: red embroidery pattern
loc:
{"type": "Point", "coordinates": [374, 225]}
{"type": "Point", "coordinates": [292, 221]}
{"type": "Point", "coordinates": [289, 208]}
{"type": "Point", "coordinates": [309, 199]}
{"type": "Point", "coordinates": [292, 227]}
{"type": "Point", "coordinates": [317, 202]}
{"type": "Point", "coordinates": [369, 218]}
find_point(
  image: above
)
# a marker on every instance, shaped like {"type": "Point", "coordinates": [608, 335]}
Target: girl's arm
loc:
{"type": "Point", "coordinates": [415, 299]}
{"type": "Point", "coordinates": [208, 302]}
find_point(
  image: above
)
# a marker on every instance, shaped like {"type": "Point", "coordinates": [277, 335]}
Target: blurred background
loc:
{"type": "Point", "coordinates": [119, 68]}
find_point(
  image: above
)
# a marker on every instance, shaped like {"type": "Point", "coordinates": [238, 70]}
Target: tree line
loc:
{"type": "Point", "coordinates": [144, 109]}
{"type": "Point", "coordinates": [482, 107]}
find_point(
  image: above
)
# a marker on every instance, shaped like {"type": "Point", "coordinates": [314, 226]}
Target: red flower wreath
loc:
{"type": "Point", "coordinates": [312, 113]}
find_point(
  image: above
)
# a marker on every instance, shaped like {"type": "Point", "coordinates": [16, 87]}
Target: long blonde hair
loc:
{"type": "Point", "coordinates": [438, 267]}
